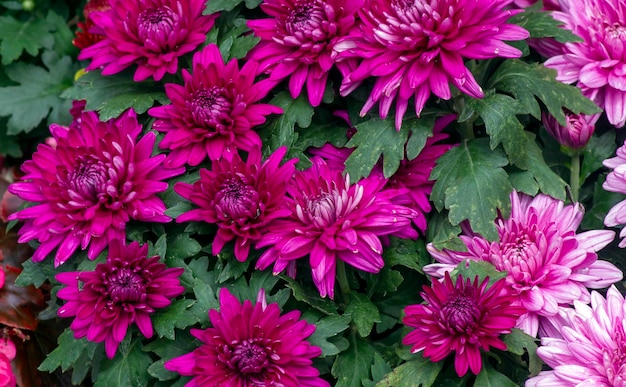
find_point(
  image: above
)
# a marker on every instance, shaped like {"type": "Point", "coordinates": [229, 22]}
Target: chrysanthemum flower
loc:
{"type": "Point", "coordinates": [124, 290]}
{"type": "Point", "coordinates": [616, 182]}
{"type": "Point", "coordinates": [2, 274]}
{"type": "Point", "coordinates": [331, 219]}
{"type": "Point", "coordinates": [576, 133]}
{"type": "Point", "coordinates": [251, 345]}
{"type": "Point", "coordinates": [416, 47]}
{"type": "Point", "coordinates": [95, 178]}
{"type": "Point", "coordinates": [463, 318]}
{"type": "Point", "coordinates": [297, 42]}
{"type": "Point", "coordinates": [213, 113]}
{"type": "Point", "coordinates": [548, 264]}
{"type": "Point", "coordinates": [597, 64]}
{"type": "Point", "coordinates": [152, 34]}
{"type": "Point", "coordinates": [240, 197]}
{"type": "Point", "coordinates": [592, 348]}
{"type": "Point", "coordinates": [7, 353]}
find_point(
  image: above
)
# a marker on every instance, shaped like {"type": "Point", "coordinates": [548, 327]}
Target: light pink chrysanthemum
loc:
{"type": "Point", "coordinates": [95, 178]}
{"type": "Point", "coordinates": [251, 345]}
{"type": "Point", "coordinates": [463, 318]}
{"type": "Point", "coordinates": [616, 182]}
{"type": "Point", "coordinates": [592, 346]}
{"type": "Point", "coordinates": [548, 264]}
{"type": "Point", "coordinates": [214, 112]}
{"type": "Point", "coordinates": [417, 47]}
{"type": "Point", "coordinates": [298, 41]}
{"type": "Point", "coordinates": [124, 290]}
{"type": "Point", "coordinates": [240, 197]}
{"type": "Point", "coordinates": [598, 63]}
{"type": "Point", "coordinates": [331, 219]}
{"type": "Point", "coordinates": [576, 133]}
{"type": "Point", "coordinates": [152, 34]}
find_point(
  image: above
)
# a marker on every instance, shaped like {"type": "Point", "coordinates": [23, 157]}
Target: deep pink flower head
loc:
{"type": "Point", "coordinates": [7, 353]}
{"type": "Point", "coordinates": [2, 275]}
{"type": "Point", "coordinates": [417, 47]}
{"type": "Point", "coordinates": [214, 112]}
{"type": "Point", "coordinates": [598, 64]}
{"type": "Point", "coordinates": [616, 182]}
{"type": "Point", "coordinates": [592, 346]}
{"type": "Point", "coordinates": [548, 264]}
{"type": "Point", "coordinates": [331, 219]}
{"type": "Point", "coordinates": [94, 179]}
{"type": "Point", "coordinates": [251, 345]}
{"type": "Point", "coordinates": [548, 5]}
{"type": "Point", "coordinates": [576, 133]}
{"type": "Point", "coordinates": [298, 41]}
{"type": "Point", "coordinates": [463, 318]}
{"type": "Point", "coordinates": [152, 34]}
{"type": "Point", "coordinates": [124, 290]}
{"type": "Point", "coordinates": [240, 197]}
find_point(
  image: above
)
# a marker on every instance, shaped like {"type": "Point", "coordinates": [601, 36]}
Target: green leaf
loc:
{"type": "Point", "coordinates": [111, 95]}
{"type": "Point", "coordinates": [67, 352]}
{"type": "Point", "coordinates": [498, 111]}
{"type": "Point", "coordinates": [233, 38]}
{"type": "Point", "coordinates": [542, 25]}
{"type": "Point", "coordinates": [419, 372]}
{"type": "Point", "coordinates": [471, 184]}
{"type": "Point", "coordinates": [376, 138]}
{"type": "Point", "coordinates": [38, 92]}
{"type": "Point", "coordinates": [309, 297]}
{"type": "Point", "coordinates": [128, 368]}
{"type": "Point", "coordinates": [31, 36]}
{"type": "Point", "coordinates": [34, 273]}
{"type": "Point", "coordinates": [407, 253]}
{"type": "Point", "coordinates": [181, 246]}
{"type": "Point", "coordinates": [489, 377]}
{"type": "Point", "coordinates": [380, 368]}
{"type": "Point", "coordinates": [327, 328]}
{"type": "Point", "coordinates": [354, 364]}
{"type": "Point", "coordinates": [597, 150]}
{"type": "Point", "coordinates": [549, 182]}
{"type": "Point", "coordinates": [177, 315]}
{"type": "Point", "coordinates": [363, 313]}
{"type": "Point", "coordinates": [529, 82]}
{"type": "Point", "coordinates": [8, 144]}
{"type": "Point", "coordinates": [443, 234]}
{"type": "Point", "coordinates": [603, 201]}
{"type": "Point", "coordinates": [480, 269]}
{"type": "Point", "coordinates": [524, 181]}
{"type": "Point", "coordinates": [518, 342]}
{"type": "Point", "coordinates": [280, 131]}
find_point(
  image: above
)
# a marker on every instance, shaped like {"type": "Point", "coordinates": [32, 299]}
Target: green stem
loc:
{"type": "Point", "coordinates": [342, 277]}
{"type": "Point", "coordinates": [466, 128]}
{"type": "Point", "coordinates": [574, 179]}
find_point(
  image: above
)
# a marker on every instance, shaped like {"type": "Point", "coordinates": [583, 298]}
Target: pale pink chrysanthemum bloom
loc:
{"type": "Point", "coordinates": [577, 132]}
{"type": "Point", "coordinates": [331, 219]}
{"type": "Point", "coordinates": [298, 41]}
{"type": "Point", "coordinates": [213, 113]}
{"type": "Point", "coordinates": [591, 348]}
{"type": "Point", "coordinates": [89, 184]}
{"type": "Point", "coordinates": [126, 289]}
{"type": "Point", "coordinates": [597, 65]}
{"type": "Point", "coordinates": [251, 345]}
{"type": "Point", "coordinates": [548, 264]}
{"type": "Point", "coordinates": [151, 34]}
{"type": "Point", "coordinates": [242, 198]}
{"type": "Point", "coordinates": [462, 317]}
{"type": "Point", "coordinates": [415, 48]}
{"type": "Point", "coordinates": [616, 182]}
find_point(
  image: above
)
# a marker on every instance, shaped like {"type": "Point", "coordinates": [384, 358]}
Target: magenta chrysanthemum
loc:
{"type": "Point", "coordinates": [298, 41]}
{"type": "Point", "coordinates": [576, 133]}
{"type": "Point", "coordinates": [416, 47]}
{"type": "Point", "coordinates": [592, 348]}
{"type": "Point", "coordinates": [463, 318]}
{"type": "Point", "coordinates": [213, 112]}
{"type": "Point", "coordinates": [616, 182]}
{"type": "Point", "coordinates": [124, 290]}
{"type": "Point", "coordinates": [548, 264]}
{"type": "Point", "coordinates": [251, 345]}
{"type": "Point", "coordinates": [598, 64]}
{"type": "Point", "coordinates": [94, 179]}
{"type": "Point", "coordinates": [240, 197]}
{"type": "Point", "coordinates": [152, 34]}
{"type": "Point", "coordinates": [331, 219]}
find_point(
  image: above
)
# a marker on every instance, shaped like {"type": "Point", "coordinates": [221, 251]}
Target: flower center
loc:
{"type": "Point", "coordinates": [306, 15]}
{"type": "Point", "coordinates": [236, 201]}
{"type": "Point", "coordinates": [88, 179]}
{"type": "Point", "coordinates": [460, 313]}
{"type": "Point", "coordinates": [249, 357]}
{"type": "Point", "coordinates": [125, 286]}
{"type": "Point", "coordinates": [616, 31]}
{"type": "Point", "coordinates": [211, 108]}
{"type": "Point", "coordinates": [518, 258]}
{"type": "Point", "coordinates": [155, 25]}
{"type": "Point", "coordinates": [615, 360]}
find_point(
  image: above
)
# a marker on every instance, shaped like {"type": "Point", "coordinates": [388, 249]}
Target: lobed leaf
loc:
{"type": "Point", "coordinates": [420, 372]}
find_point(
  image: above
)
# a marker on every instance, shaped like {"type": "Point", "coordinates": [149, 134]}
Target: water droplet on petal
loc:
{"type": "Point", "coordinates": [496, 51]}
